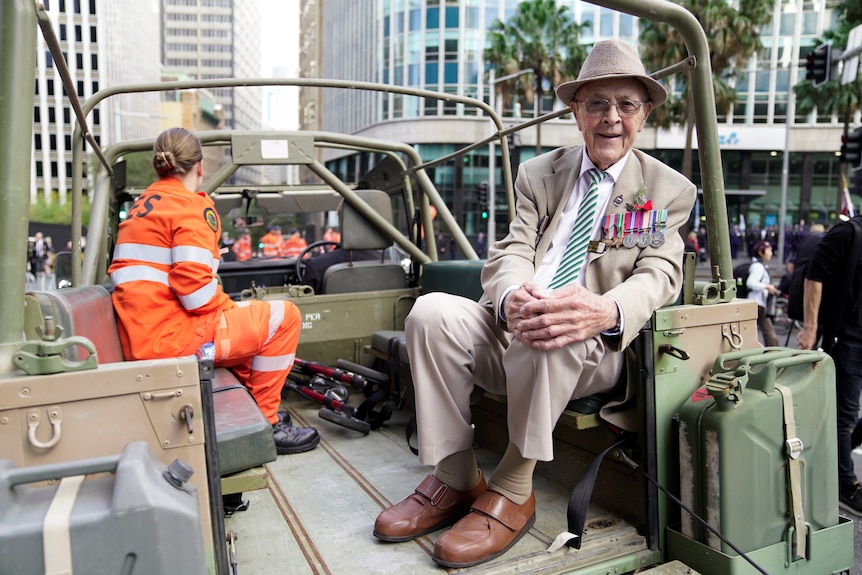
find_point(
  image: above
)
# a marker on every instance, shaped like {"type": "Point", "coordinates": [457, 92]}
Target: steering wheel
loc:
{"type": "Point", "coordinates": [300, 259]}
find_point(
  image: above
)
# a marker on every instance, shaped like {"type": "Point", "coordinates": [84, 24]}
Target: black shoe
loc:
{"type": "Point", "coordinates": [290, 439]}
{"type": "Point", "coordinates": [851, 499]}
{"type": "Point", "coordinates": [234, 503]}
{"type": "Point", "coordinates": [284, 416]}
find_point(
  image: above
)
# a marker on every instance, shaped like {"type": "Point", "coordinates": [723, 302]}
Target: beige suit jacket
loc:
{"type": "Point", "coordinates": [640, 279]}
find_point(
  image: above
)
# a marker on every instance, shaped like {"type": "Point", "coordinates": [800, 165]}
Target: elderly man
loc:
{"type": "Point", "coordinates": [593, 251]}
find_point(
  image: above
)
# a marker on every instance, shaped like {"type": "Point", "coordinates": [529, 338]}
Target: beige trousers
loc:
{"type": "Point", "coordinates": [456, 349]}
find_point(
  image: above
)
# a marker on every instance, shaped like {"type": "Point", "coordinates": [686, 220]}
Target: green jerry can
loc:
{"type": "Point", "coordinates": [758, 457]}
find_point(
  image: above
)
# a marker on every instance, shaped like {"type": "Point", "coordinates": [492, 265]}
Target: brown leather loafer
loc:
{"type": "Point", "coordinates": [493, 525]}
{"type": "Point", "coordinates": [432, 506]}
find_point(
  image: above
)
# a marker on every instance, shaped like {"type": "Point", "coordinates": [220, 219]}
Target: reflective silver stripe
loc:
{"type": "Point", "coordinates": [143, 252]}
{"type": "Point", "coordinates": [194, 254]}
{"type": "Point", "coordinates": [200, 296]}
{"type": "Point", "coordinates": [139, 273]}
{"type": "Point", "coordinates": [272, 363]}
{"type": "Point", "coordinates": [276, 316]}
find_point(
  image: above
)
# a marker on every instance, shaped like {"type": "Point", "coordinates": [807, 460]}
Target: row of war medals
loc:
{"type": "Point", "coordinates": [639, 228]}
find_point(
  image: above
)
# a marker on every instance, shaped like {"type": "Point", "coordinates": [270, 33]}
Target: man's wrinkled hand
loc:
{"type": "Point", "coordinates": [553, 319]}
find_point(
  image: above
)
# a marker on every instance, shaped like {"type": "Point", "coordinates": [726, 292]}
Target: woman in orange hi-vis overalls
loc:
{"type": "Point", "coordinates": [242, 247]}
{"type": "Point", "coordinates": [169, 302]}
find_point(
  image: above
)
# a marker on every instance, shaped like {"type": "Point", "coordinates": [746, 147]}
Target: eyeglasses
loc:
{"type": "Point", "coordinates": [600, 106]}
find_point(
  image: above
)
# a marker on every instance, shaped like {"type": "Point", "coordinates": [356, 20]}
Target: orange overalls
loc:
{"type": "Point", "coordinates": [292, 247]}
{"type": "Point", "coordinates": [270, 244]}
{"type": "Point", "coordinates": [242, 248]}
{"type": "Point", "coordinates": [169, 302]}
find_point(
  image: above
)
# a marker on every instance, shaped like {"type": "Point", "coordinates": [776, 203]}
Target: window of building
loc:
{"type": "Point", "coordinates": [49, 84]}
{"type": "Point", "coordinates": [49, 60]}
{"type": "Point", "coordinates": [52, 115]}
{"type": "Point", "coordinates": [77, 6]}
{"type": "Point", "coordinates": [93, 7]}
{"type": "Point", "coordinates": [62, 5]}
{"type": "Point", "coordinates": [415, 19]}
{"type": "Point", "coordinates": [94, 62]}
{"type": "Point", "coordinates": [452, 14]}
{"type": "Point", "coordinates": [37, 114]}
{"type": "Point", "coordinates": [79, 61]}
{"type": "Point", "coordinates": [606, 22]}
{"type": "Point", "coordinates": [39, 170]}
{"type": "Point", "coordinates": [52, 142]}
{"type": "Point", "coordinates": [78, 34]}
{"type": "Point", "coordinates": [80, 87]}
{"type": "Point", "coordinates": [67, 115]}
{"type": "Point", "coordinates": [37, 86]}
{"type": "Point", "coordinates": [54, 168]}
{"type": "Point", "coordinates": [432, 18]}
{"type": "Point", "coordinates": [37, 141]}
{"type": "Point", "coordinates": [62, 32]}
{"type": "Point", "coordinates": [67, 141]}
{"type": "Point", "coordinates": [93, 34]}
{"type": "Point", "coordinates": [96, 117]}
{"type": "Point", "coordinates": [95, 87]}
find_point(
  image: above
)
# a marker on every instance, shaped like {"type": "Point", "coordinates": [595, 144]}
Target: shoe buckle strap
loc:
{"type": "Point", "coordinates": [501, 509]}
{"type": "Point", "coordinates": [432, 489]}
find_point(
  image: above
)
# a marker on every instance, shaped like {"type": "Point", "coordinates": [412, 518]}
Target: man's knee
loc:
{"type": "Point", "coordinates": [433, 311]}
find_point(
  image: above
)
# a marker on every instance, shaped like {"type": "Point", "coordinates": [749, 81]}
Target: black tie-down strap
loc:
{"type": "Point", "coordinates": [579, 503]}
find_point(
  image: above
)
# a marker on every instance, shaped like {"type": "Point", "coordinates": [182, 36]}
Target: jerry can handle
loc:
{"type": "Point", "coordinates": [733, 360]}
{"type": "Point", "coordinates": [24, 475]}
{"type": "Point", "coordinates": [762, 378]}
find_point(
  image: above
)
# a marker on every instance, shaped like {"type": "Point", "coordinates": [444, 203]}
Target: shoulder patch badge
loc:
{"type": "Point", "coordinates": [211, 218]}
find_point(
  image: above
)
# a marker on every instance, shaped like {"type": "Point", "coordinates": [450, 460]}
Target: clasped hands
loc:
{"type": "Point", "coordinates": [546, 319]}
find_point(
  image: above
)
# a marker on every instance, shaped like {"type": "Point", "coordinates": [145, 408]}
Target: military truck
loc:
{"type": "Point", "coordinates": [113, 464]}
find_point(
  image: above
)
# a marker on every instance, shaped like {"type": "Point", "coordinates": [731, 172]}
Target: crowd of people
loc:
{"type": "Point", "coordinates": [272, 245]}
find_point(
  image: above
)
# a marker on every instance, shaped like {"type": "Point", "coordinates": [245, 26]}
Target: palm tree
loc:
{"type": "Point", "coordinates": [541, 37]}
{"type": "Point", "coordinates": [733, 38]}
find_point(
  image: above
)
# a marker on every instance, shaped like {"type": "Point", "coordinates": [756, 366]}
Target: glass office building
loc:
{"type": "Point", "coordinates": [439, 45]}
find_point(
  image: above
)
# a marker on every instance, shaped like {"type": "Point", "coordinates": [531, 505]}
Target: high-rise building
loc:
{"type": "Point", "coordinates": [439, 45]}
{"type": "Point", "coordinates": [88, 31]}
{"type": "Point", "coordinates": [209, 39]}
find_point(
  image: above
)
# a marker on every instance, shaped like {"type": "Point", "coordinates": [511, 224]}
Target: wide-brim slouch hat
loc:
{"type": "Point", "coordinates": [612, 59]}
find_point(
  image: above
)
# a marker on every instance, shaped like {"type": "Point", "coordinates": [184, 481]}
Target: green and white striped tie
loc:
{"type": "Point", "coordinates": [576, 248]}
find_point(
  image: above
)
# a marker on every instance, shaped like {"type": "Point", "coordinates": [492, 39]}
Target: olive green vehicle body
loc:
{"type": "Point", "coordinates": [313, 513]}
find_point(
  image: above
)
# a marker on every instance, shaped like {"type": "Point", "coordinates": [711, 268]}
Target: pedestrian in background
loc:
{"type": "Point", "coordinates": [760, 289]}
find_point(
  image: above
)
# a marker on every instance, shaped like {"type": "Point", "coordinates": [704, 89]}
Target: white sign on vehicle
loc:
{"type": "Point", "coordinates": [274, 149]}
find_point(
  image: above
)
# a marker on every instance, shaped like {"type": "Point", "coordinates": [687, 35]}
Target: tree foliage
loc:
{"type": "Point", "coordinates": [53, 212]}
{"type": "Point", "coordinates": [542, 37]}
{"type": "Point", "coordinates": [733, 38]}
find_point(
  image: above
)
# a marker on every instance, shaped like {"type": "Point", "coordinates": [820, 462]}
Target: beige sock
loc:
{"type": "Point", "coordinates": [459, 470]}
{"type": "Point", "coordinates": [513, 477]}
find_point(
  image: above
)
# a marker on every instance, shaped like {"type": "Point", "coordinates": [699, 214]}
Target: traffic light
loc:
{"type": "Point", "coordinates": [482, 194]}
{"type": "Point", "coordinates": [851, 149]}
{"type": "Point", "coordinates": [482, 198]}
{"type": "Point", "coordinates": [819, 64]}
